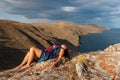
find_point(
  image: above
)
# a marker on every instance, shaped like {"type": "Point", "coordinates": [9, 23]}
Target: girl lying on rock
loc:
{"type": "Point", "coordinates": [39, 55]}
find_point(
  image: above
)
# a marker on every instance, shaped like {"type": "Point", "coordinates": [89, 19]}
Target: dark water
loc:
{"type": "Point", "coordinates": [100, 41]}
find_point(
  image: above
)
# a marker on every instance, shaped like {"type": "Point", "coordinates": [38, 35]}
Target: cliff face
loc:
{"type": "Point", "coordinates": [16, 38]}
{"type": "Point", "coordinates": [98, 65]}
{"type": "Point", "coordinates": [68, 31]}
{"type": "Point", "coordinates": [23, 36]}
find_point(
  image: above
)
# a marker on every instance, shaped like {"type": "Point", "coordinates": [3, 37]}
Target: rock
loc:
{"type": "Point", "coordinates": [106, 65]}
{"type": "Point", "coordinates": [27, 78]}
{"type": "Point", "coordinates": [81, 68]}
{"type": "Point", "coordinates": [115, 47]}
{"type": "Point", "coordinates": [99, 65]}
{"type": "Point", "coordinates": [16, 38]}
{"type": "Point", "coordinates": [110, 62]}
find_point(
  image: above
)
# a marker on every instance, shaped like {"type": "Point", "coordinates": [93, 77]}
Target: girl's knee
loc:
{"type": "Point", "coordinates": [32, 48]}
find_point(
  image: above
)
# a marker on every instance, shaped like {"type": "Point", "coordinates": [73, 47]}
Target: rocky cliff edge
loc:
{"type": "Point", "coordinates": [98, 65]}
{"type": "Point", "coordinates": [16, 38]}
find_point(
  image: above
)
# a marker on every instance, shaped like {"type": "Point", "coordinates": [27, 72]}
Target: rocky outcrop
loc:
{"type": "Point", "coordinates": [42, 71]}
{"type": "Point", "coordinates": [102, 66]}
{"type": "Point", "coordinates": [98, 65]}
{"type": "Point", "coordinates": [16, 38]}
{"type": "Point", "coordinates": [115, 47]}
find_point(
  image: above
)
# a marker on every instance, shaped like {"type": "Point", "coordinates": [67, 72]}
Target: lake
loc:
{"type": "Point", "coordinates": [99, 41]}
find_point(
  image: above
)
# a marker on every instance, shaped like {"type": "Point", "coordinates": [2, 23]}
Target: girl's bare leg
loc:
{"type": "Point", "coordinates": [24, 61]}
{"type": "Point", "coordinates": [34, 53]}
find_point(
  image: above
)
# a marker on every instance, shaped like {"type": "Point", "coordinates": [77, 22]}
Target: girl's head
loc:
{"type": "Point", "coordinates": [64, 46]}
{"type": "Point", "coordinates": [66, 51]}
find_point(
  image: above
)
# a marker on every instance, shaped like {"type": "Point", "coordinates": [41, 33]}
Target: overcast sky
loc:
{"type": "Point", "coordinates": [101, 12]}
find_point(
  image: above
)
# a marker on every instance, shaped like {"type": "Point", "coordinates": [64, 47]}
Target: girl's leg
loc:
{"type": "Point", "coordinates": [33, 54]}
{"type": "Point", "coordinates": [24, 61]}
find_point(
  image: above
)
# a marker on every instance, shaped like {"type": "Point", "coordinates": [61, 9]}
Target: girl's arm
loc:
{"type": "Point", "coordinates": [59, 57]}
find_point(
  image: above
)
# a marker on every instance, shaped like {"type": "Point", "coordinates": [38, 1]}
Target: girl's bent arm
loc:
{"type": "Point", "coordinates": [59, 57]}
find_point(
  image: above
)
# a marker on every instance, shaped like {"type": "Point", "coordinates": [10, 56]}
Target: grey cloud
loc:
{"type": "Point", "coordinates": [33, 7]}
{"type": "Point", "coordinates": [84, 12]}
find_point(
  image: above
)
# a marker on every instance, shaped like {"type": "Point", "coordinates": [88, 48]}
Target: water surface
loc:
{"type": "Point", "coordinates": [99, 41]}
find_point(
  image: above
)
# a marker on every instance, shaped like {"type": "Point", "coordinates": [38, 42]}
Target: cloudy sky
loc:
{"type": "Point", "coordinates": [101, 12]}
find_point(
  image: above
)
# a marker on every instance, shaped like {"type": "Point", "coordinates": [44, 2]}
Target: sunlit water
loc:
{"type": "Point", "coordinates": [100, 41]}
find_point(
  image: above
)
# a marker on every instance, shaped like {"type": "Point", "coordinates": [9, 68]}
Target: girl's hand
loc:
{"type": "Point", "coordinates": [52, 64]}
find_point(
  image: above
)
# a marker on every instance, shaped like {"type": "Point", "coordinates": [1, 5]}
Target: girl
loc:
{"type": "Point", "coordinates": [39, 55]}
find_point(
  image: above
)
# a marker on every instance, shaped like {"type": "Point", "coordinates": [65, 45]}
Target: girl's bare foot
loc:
{"type": "Point", "coordinates": [25, 67]}
{"type": "Point", "coordinates": [17, 68]}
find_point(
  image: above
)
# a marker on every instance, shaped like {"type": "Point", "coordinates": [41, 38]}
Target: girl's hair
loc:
{"type": "Point", "coordinates": [66, 54]}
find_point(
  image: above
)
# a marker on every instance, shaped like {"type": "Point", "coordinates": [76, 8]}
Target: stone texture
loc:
{"type": "Point", "coordinates": [99, 65]}
{"type": "Point", "coordinates": [115, 47]}
{"type": "Point", "coordinates": [106, 66]}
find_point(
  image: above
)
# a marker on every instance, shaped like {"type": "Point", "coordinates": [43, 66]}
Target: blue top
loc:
{"type": "Point", "coordinates": [49, 55]}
